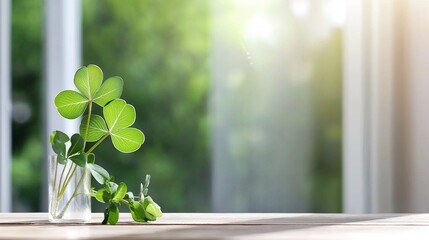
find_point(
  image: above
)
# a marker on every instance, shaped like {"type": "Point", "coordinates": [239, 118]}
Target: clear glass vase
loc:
{"type": "Point", "coordinates": [69, 192]}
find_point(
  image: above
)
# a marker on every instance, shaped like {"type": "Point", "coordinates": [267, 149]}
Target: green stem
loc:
{"type": "Point", "coordinates": [124, 201]}
{"type": "Point", "coordinates": [62, 175]}
{"type": "Point", "coordinates": [61, 214]}
{"type": "Point", "coordinates": [98, 143]}
{"type": "Point", "coordinates": [54, 186]}
{"type": "Point", "coordinates": [83, 193]}
{"type": "Point", "coordinates": [87, 123]}
{"type": "Point", "coordinates": [67, 181]}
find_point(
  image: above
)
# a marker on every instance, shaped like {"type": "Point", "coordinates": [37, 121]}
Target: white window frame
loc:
{"type": "Point", "coordinates": [368, 163]}
{"type": "Point", "coordinates": [62, 59]}
{"type": "Point", "coordinates": [5, 107]}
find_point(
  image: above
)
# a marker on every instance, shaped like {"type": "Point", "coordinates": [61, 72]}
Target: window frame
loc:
{"type": "Point", "coordinates": [6, 107]}
{"type": "Point", "coordinates": [368, 100]}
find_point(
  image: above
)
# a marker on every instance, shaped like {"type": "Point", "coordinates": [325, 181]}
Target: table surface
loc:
{"type": "Point", "coordinates": [223, 226]}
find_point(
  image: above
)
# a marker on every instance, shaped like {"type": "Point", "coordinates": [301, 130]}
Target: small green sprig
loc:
{"type": "Point", "coordinates": [142, 207]}
{"type": "Point", "coordinates": [118, 116]}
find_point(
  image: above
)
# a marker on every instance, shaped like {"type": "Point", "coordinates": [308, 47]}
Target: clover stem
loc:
{"type": "Point", "coordinates": [60, 215]}
{"type": "Point", "coordinates": [54, 186]}
{"type": "Point", "coordinates": [87, 123]}
{"type": "Point", "coordinates": [62, 175]}
{"type": "Point", "coordinates": [98, 143]}
{"type": "Point", "coordinates": [67, 181]}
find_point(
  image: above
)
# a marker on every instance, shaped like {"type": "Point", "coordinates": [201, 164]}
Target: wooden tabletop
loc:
{"type": "Point", "coordinates": [223, 226]}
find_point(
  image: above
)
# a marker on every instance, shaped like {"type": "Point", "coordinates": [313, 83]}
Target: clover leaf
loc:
{"type": "Point", "coordinates": [89, 81]}
{"type": "Point", "coordinates": [111, 89]}
{"type": "Point", "coordinates": [70, 104]}
{"type": "Point", "coordinates": [96, 129]}
{"type": "Point", "coordinates": [119, 116]}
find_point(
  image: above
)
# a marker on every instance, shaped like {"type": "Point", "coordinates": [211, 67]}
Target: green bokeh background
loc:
{"type": "Point", "coordinates": [165, 63]}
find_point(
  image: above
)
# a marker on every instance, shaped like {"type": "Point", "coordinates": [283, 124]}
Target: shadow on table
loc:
{"type": "Point", "coordinates": [271, 227]}
{"type": "Point", "coordinates": [275, 227]}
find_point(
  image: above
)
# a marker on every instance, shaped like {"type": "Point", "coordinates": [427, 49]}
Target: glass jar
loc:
{"type": "Point", "coordinates": [69, 191]}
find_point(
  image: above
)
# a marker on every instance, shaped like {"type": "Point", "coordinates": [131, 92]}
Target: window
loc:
{"type": "Point", "coordinates": [242, 102]}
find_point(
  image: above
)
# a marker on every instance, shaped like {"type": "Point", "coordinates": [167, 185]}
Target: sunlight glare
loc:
{"type": "Point", "coordinates": [300, 8]}
{"type": "Point", "coordinates": [259, 28]}
{"type": "Point", "coordinates": [335, 12]}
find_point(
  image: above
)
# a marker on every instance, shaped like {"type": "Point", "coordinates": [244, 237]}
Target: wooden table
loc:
{"type": "Point", "coordinates": [223, 226]}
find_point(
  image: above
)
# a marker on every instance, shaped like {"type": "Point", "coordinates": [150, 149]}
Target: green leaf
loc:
{"type": "Point", "coordinates": [146, 185]}
{"type": "Point", "coordinates": [137, 212]}
{"type": "Point", "coordinates": [149, 217]}
{"type": "Point", "coordinates": [59, 136]}
{"type": "Point", "coordinates": [58, 143]}
{"type": "Point", "coordinates": [127, 140]}
{"type": "Point", "coordinates": [119, 115]}
{"type": "Point", "coordinates": [70, 104]}
{"type": "Point", "coordinates": [91, 158]}
{"type": "Point", "coordinates": [103, 195]}
{"type": "Point", "coordinates": [113, 214]}
{"type": "Point", "coordinates": [120, 193]}
{"type": "Point", "coordinates": [76, 144]}
{"type": "Point", "coordinates": [99, 173]}
{"type": "Point", "coordinates": [88, 80]}
{"type": "Point", "coordinates": [151, 207]}
{"type": "Point", "coordinates": [97, 128]}
{"type": "Point", "coordinates": [110, 90]}
{"type": "Point", "coordinates": [61, 159]}
{"type": "Point", "coordinates": [129, 196]}
{"type": "Point", "coordinates": [112, 187]}
{"type": "Point", "coordinates": [59, 148]}
{"type": "Point", "coordinates": [51, 137]}
{"type": "Point", "coordinates": [80, 160]}
{"type": "Point", "coordinates": [147, 181]}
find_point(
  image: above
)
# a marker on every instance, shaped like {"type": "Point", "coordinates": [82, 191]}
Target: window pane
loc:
{"type": "Point", "coordinates": [276, 105]}
{"type": "Point", "coordinates": [161, 49]}
{"type": "Point", "coordinates": [240, 101]}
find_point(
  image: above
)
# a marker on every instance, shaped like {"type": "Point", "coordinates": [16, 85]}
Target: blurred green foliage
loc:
{"type": "Point", "coordinates": [326, 90]}
{"type": "Point", "coordinates": [162, 50]}
{"type": "Point", "coordinates": [27, 65]}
